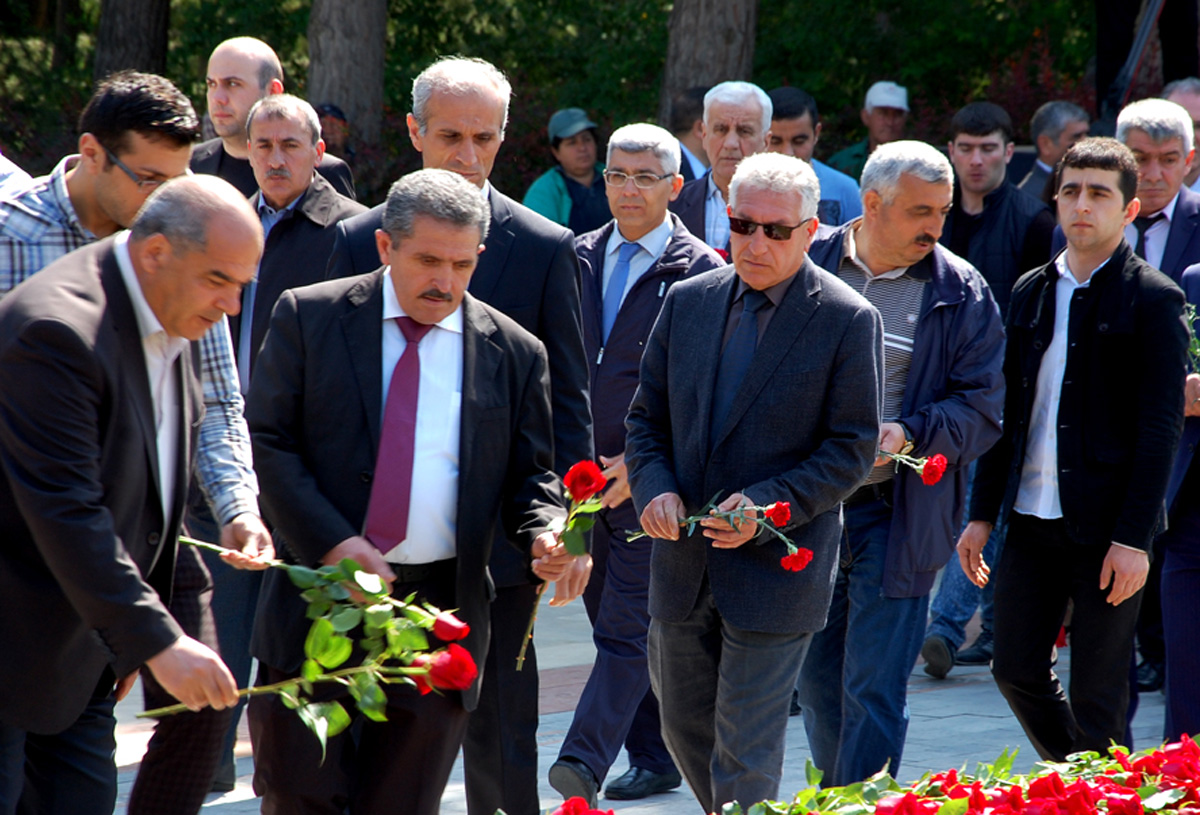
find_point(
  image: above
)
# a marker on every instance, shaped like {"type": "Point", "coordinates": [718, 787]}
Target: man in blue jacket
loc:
{"type": "Point", "coordinates": [944, 347]}
{"type": "Point", "coordinates": [626, 268]}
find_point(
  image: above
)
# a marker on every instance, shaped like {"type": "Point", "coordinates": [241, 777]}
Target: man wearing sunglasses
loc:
{"type": "Point", "coordinates": [943, 392]}
{"type": "Point", "coordinates": [759, 383]}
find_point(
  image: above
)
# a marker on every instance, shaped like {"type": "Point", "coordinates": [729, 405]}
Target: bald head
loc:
{"type": "Point", "coordinates": [240, 72]}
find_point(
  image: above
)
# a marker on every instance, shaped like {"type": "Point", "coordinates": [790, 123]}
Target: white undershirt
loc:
{"type": "Point", "coordinates": [1156, 235]}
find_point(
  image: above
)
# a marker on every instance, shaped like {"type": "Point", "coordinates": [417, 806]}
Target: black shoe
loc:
{"type": "Point", "coordinates": [1149, 676]}
{"type": "Point", "coordinates": [638, 783]}
{"type": "Point", "coordinates": [980, 652]}
{"type": "Point", "coordinates": [225, 779]}
{"type": "Point", "coordinates": [938, 655]}
{"type": "Point", "coordinates": [572, 778]}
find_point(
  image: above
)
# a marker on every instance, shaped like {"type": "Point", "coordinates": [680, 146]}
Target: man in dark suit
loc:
{"type": "Point", "coordinates": [99, 342]}
{"type": "Point", "coordinates": [529, 271]}
{"type": "Point", "coordinates": [687, 125]}
{"type": "Point", "coordinates": [1055, 126]}
{"type": "Point", "coordinates": [737, 117]}
{"type": "Point", "coordinates": [478, 446]}
{"type": "Point", "coordinates": [627, 268]}
{"type": "Point", "coordinates": [775, 368]}
{"type": "Point", "coordinates": [1082, 468]}
{"type": "Point", "coordinates": [240, 72]}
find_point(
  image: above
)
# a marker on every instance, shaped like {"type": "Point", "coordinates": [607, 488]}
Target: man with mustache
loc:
{"type": "Point", "coordinates": [943, 390]}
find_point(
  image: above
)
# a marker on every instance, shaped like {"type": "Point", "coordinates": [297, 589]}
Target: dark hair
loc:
{"type": "Point", "coordinates": [686, 108]}
{"type": "Point", "coordinates": [1102, 153]}
{"type": "Point", "coordinates": [792, 103]}
{"type": "Point", "coordinates": [147, 104]}
{"type": "Point", "coordinates": [982, 119]}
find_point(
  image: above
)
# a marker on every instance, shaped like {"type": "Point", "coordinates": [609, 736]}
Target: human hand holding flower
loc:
{"type": "Point", "coordinates": [732, 531]}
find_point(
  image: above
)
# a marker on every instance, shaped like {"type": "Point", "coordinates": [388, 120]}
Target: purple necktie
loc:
{"type": "Point", "coordinates": [391, 488]}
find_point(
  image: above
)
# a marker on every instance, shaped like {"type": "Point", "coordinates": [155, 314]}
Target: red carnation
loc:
{"type": "Point", "coordinates": [448, 628]}
{"type": "Point", "coordinates": [584, 480]}
{"type": "Point", "coordinates": [934, 467]}
{"type": "Point", "coordinates": [797, 561]}
{"type": "Point", "coordinates": [779, 513]}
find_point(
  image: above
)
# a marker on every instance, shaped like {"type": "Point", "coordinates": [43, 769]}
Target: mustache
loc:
{"type": "Point", "coordinates": [281, 172]}
{"type": "Point", "coordinates": [925, 239]}
{"type": "Point", "coordinates": [435, 294]}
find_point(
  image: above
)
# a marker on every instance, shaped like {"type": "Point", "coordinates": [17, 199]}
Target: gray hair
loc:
{"type": "Point", "coordinates": [1053, 117]}
{"type": "Point", "coordinates": [1159, 119]}
{"type": "Point", "coordinates": [284, 106]}
{"type": "Point", "coordinates": [181, 209]}
{"type": "Point", "coordinates": [890, 161]}
{"type": "Point", "coordinates": [458, 76]}
{"type": "Point", "coordinates": [1189, 84]}
{"type": "Point", "coordinates": [438, 194]}
{"type": "Point", "coordinates": [775, 172]}
{"type": "Point", "coordinates": [739, 93]}
{"type": "Point", "coordinates": [643, 138]}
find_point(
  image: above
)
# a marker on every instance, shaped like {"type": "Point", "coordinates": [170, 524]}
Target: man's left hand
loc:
{"type": "Point", "coordinates": [550, 558]}
{"type": "Point", "coordinates": [891, 439]}
{"type": "Point", "coordinates": [572, 584]}
{"type": "Point", "coordinates": [248, 543]}
{"type": "Point", "coordinates": [1126, 570]}
{"type": "Point", "coordinates": [730, 536]}
{"type": "Point", "coordinates": [618, 491]}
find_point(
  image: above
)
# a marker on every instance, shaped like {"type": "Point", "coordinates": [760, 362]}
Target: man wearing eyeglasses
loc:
{"type": "Point", "coordinates": [137, 132]}
{"type": "Point", "coordinates": [759, 384]}
{"type": "Point", "coordinates": [626, 268]}
{"type": "Point", "coordinates": [943, 393]}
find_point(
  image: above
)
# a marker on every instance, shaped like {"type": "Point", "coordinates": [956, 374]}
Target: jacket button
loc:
{"type": "Point", "coordinates": [153, 538]}
{"type": "Point", "coordinates": [1103, 326]}
{"type": "Point", "coordinates": [1037, 345]}
{"type": "Point", "coordinates": [365, 476]}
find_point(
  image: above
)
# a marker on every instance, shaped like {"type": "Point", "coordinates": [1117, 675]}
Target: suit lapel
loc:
{"type": "Point", "coordinates": [362, 327]}
{"type": "Point", "coordinates": [1180, 236]}
{"type": "Point", "coordinates": [791, 317]}
{"type": "Point", "coordinates": [705, 330]}
{"type": "Point", "coordinates": [191, 399]}
{"type": "Point", "coordinates": [495, 253]}
{"type": "Point", "coordinates": [481, 361]}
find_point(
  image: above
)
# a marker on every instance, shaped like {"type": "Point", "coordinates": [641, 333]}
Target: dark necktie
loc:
{"type": "Point", "coordinates": [1142, 225]}
{"type": "Point", "coordinates": [735, 360]}
{"type": "Point", "coordinates": [616, 285]}
{"type": "Point", "coordinates": [391, 487]}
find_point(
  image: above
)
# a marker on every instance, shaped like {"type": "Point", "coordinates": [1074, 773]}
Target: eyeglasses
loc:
{"type": "Point", "coordinates": [776, 232]}
{"type": "Point", "coordinates": [144, 184]}
{"type": "Point", "coordinates": [643, 181]}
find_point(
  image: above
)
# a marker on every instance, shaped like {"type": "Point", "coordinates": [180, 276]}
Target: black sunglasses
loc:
{"type": "Point", "coordinates": [776, 232]}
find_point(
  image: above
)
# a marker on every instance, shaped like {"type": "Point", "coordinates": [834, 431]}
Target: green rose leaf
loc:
{"type": "Point", "coordinates": [573, 540]}
{"type": "Point", "coordinates": [337, 592]}
{"type": "Point", "coordinates": [302, 576]}
{"type": "Point", "coordinates": [1162, 800]}
{"type": "Point", "coordinates": [336, 652]}
{"type": "Point", "coordinates": [310, 670]}
{"type": "Point", "coordinates": [403, 638]}
{"type": "Point", "coordinates": [370, 583]}
{"type": "Point", "coordinates": [319, 635]}
{"type": "Point", "coordinates": [346, 618]}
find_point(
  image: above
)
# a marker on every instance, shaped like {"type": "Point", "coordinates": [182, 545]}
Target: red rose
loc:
{"type": "Point", "coordinates": [779, 513]}
{"type": "Point", "coordinates": [452, 668]}
{"type": "Point", "coordinates": [934, 467]}
{"type": "Point", "coordinates": [421, 680]}
{"type": "Point", "coordinates": [1129, 803]}
{"type": "Point", "coordinates": [1048, 786]}
{"type": "Point", "coordinates": [572, 806]}
{"type": "Point", "coordinates": [798, 560]}
{"type": "Point", "coordinates": [584, 480]}
{"type": "Point", "coordinates": [448, 628]}
{"type": "Point", "coordinates": [724, 255]}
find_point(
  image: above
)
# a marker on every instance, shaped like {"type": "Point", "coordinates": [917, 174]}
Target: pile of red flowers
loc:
{"type": "Point", "coordinates": [578, 806]}
{"type": "Point", "coordinates": [1162, 780]}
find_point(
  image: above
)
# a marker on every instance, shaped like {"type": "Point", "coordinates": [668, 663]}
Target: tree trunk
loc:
{"type": "Point", "coordinates": [347, 45]}
{"type": "Point", "coordinates": [133, 34]}
{"type": "Point", "coordinates": [709, 41]}
{"type": "Point", "coordinates": [66, 33]}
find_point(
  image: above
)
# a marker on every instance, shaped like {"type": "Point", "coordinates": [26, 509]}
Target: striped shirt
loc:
{"type": "Point", "coordinates": [37, 227]}
{"type": "Point", "coordinates": [897, 295]}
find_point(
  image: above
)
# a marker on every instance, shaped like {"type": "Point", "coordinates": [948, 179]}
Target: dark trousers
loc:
{"type": "Point", "coordinates": [500, 750]}
{"type": "Point", "coordinates": [617, 705]}
{"type": "Point", "coordinates": [68, 773]}
{"type": "Point", "coordinates": [1040, 570]}
{"type": "Point", "coordinates": [397, 767]}
{"type": "Point", "coordinates": [177, 771]}
{"type": "Point", "coordinates": [1180, 599]}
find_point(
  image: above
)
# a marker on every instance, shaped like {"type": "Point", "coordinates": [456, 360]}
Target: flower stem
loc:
{"type": "Point", "coordinates": [529, 628]}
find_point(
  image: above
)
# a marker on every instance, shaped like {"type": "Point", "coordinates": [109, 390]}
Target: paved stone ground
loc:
{"type": "Point", "coordinates": [955, 722]}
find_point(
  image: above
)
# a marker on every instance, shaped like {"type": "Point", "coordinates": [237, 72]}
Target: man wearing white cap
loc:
{"type": "Point", "coordinates": [884, 112]}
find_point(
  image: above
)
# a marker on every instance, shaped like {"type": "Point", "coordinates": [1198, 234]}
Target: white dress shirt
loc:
{"type": "Point", "coordinates": [652, 245]}
{"type": "Point", "coordinates": [433, 503]}
{"type": "Point", "coordinates": [161, 351]}
{"type": "Point", "coordinates": [1156, 235]}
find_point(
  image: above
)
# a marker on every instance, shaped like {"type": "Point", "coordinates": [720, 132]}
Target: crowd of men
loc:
{"type": "Point", "coordinates": [218, 337]}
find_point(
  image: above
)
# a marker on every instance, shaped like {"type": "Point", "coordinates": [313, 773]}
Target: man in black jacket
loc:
{"type": "Point", "coordinates": [627, 266]}
{"type": "Point", "coordinates": [1081, 470]}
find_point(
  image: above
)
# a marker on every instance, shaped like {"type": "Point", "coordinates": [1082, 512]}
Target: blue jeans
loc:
{"type": "Point", "coordinates": [957, 598]}
{"type": "Point", "coordinates": [853, 684]}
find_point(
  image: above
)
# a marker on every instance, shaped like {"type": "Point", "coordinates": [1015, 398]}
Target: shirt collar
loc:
{"type": "Point", "coordinates": [265, 209]}
{"type": "Point", "coordinates": [654, 241]}
{"type": "Point", "coordinates": [392, 310]}
{"type": "Point", "coordinates": [1046, 168]}
{"type": "Point", "coordinates": [714, 190]}
{"type": "Point", "coordinates": [774, 293]}
{"type": "Point", "coordinates": [1064, 271]}
{"type": "Point", "coordinates": [1169, 210]}
{"type": "Point", "coordinates": [148, 324]}
{"type": "Point", "coordinates": [62, 198]}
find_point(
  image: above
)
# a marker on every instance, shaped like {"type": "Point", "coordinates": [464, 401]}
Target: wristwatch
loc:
{"type": "Point", "coordinates": [908, 439]}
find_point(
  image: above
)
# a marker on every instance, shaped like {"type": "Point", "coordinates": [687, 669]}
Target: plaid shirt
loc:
{"type": "Point", "coordinates": [39, 226]}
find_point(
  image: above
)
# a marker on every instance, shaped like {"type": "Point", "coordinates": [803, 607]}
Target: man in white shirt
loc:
{"type": "Point", "coordinates": [1087, 462]}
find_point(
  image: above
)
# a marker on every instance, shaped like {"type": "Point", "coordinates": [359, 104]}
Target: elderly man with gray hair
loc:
{"type": "Point", "coordinates": [777, 366]}
{"type": "Point", "coordinates": [626, 268]}
{"type": "Point", "coordinates": [395, 417]}
{"type": "Point", "coordinates": [942, 395]}
{"type": "Point", "coordinates": [737, 118]}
